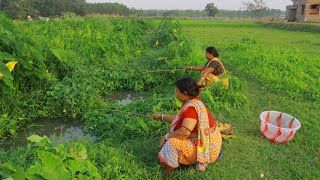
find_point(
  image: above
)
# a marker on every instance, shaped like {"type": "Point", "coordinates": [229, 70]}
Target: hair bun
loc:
{"type": "Point", "coordinates": [188, 85]}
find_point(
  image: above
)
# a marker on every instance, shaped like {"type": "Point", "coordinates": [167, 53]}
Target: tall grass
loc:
{"type": "Point", "coordinates": [277, 69]}
{"type": "Point", "coordinates": [303, 27]}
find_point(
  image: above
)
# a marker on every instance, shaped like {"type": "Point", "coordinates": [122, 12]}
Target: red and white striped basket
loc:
{"type": "Point", "coordinates": [278, 127]}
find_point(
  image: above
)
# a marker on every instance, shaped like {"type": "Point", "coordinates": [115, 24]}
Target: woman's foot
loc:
{"type": "Point", "coordinates": [201, 167]}
{"type": "Point", "coordinates": [167, 171]}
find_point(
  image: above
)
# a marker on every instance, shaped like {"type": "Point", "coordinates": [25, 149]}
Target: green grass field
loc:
{"type": "Point", "coordinates": [276, 69]}
{"type": "Point", "coordinates": [250, 154]}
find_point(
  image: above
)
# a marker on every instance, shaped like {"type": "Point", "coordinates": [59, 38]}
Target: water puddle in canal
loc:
{"type": "Point", "coordinates": [64, 130]}
{"type": "Point", "coordinates": [125, 97]}
{"type": "Point", "coordinates": [57, 130]}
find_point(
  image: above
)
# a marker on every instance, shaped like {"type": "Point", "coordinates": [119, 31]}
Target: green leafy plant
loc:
{"type": "Point", "coordinates": [53, 162]}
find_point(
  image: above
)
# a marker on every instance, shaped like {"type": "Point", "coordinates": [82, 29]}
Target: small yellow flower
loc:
{"type": "Point", "coordinates": [157, 43]}
{"type": "Point", "coordinates": [174, 30]}
{"type": "Point", "coordinates": [10, 65]}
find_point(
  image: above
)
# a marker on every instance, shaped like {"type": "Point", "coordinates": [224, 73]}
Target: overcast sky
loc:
{"type": "Point", "coordinates": [192, 4]}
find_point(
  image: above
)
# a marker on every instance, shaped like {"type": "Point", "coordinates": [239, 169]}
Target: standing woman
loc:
{"type": "Point", "coordinates": [212, 70]}
{"type": "Point", "coordinates": [194, 137]}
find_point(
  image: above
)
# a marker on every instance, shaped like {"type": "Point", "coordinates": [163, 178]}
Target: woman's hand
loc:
{"type": "Point", "coordinates": [188, 68]}
{"type": "Point", "coordinates": [162, 141]}
{"type": "Point", "coordinates": [156, 117]}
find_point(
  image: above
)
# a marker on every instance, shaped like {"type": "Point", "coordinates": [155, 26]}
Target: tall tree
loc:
{"type": "Point", "coordinates": [17, 9]}
{"type": "Point", "coordinates": [258, 7]}
{"type": "Point", "coordinates": [211, 9]}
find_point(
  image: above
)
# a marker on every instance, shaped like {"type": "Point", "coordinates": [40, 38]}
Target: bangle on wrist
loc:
{"type": "Point", "coordinates": [162, 117]}
{"type": "Point", "coordinates": [167, 137]}
{"type": "Point", "coordinates": [202, 78]}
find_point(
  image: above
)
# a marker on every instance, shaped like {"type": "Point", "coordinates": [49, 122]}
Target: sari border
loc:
{"type": "Point", "coordinates": [164, 161]}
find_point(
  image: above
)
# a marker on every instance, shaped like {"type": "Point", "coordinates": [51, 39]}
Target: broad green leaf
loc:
{"type": "Point", "coordinates": [34, 177]}
{"type": "Point", "coordinates": [83, 153]}
{"type": "Point", "coordinates": [61, 151]}
{"type": "Point", "coordinates": [79, 152]}
{"type": "Point", "coordinates": [7, 56]}
{"type": "Point", "coordinates": [76, 166]}
{"type": "Point", "coordinates": [177, 102]}
{"type": "Point", "coordinates": [19, 174]}
{"type": "Point", "coordinates": [58, 54]}
{"type": "Point", "coordinates": [5, 71]}
{"type": "Point", "coordinates": [6, 75]}
{"type": "Point", "coordinates": [82, 177]}
{"type": "Point", "coordinates": [9, 178]}
{"type": "Point", "coordinates": [143, 124]}
{"type": "Point", "coordinates": [40, 141]}
{"type": "Point", "coordinates": [37, 139]}
{"type": "Point", "coordinates": [7, 169]}
{"type": "Point", "coordinates": [50, 167]}
{"type": "Point", "coordinates": [93, 170]}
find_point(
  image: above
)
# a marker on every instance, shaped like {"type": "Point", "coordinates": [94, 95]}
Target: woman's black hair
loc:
{"type": "Point", "coordinates": [188, 85]}
{"type": "Point", "coordinates": [212, 50]}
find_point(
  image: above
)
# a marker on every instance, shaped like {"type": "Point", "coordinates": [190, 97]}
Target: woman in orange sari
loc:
{"type": "Point", "coordinates": [194, 137]}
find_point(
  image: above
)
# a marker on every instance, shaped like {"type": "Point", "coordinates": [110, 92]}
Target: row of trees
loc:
{"type": "Point", "coordinates": [19, 9]}
{"type": "Point", "coordinates": [199, 13]}
{"type": "Point", "coordinates": [168, 13]}
{"type": "Point", "coordinates": [254, 9]}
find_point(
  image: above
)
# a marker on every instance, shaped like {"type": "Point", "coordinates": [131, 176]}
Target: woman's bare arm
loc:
{"type": "Point", "coordinates": [204, 74]}
{"type": "Point", "coordinates": [195, 68]}
{"type": "Point", "coordinates": [168, 118]}
{"type": "Point", "coordinates": [193, 135]}
{"type": "Point", "coordinates": [184, 132]}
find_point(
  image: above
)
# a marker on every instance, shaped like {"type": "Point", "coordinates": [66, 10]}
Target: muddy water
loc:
{"type": "Point", "coordinates": [64, 130]}
{"type": "Point", "coordinates": [57, 130]}
{"type": "Point", "coordinates": [125, 97]}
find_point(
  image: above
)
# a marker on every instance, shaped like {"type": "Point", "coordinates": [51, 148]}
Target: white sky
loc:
{"type": "Point", "coordinates": [192, 4]}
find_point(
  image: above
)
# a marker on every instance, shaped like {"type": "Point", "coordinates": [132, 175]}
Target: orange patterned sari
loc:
{"type": "Point", "coordinates": [200, 151]}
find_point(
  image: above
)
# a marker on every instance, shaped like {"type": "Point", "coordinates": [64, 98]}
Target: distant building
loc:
{"type": "Point", "coordinates": [304, 11]}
